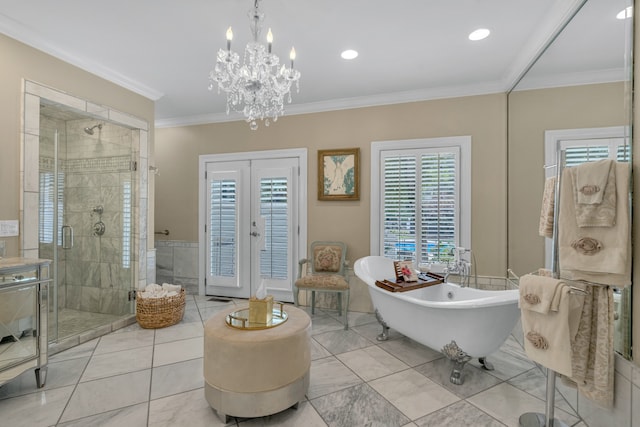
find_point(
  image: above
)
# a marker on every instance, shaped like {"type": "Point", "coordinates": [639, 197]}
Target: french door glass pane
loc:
{"type": "Point", "coordinates": [222, 228]}
{"type": "Point", "coordinates": [275, 212]}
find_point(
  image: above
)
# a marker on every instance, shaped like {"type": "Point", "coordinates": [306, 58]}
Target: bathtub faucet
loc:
{"type": "Point", "coordinates": [459, 266]}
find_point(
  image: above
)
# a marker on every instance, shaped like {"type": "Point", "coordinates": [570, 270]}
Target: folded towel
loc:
{"type": "Point", "coordinates": [545, 228]}
{"type": "Point", "coordinates": [171, 288]}
{"type": "Point", "coordinates": [548, 336]}
{"type": "Point", "coordinates": [153, 287]}
{"type": "Point", "coordinates": [153, 294]}
{"type": "Point", "coordinates": [591, 180]}
{"type": "Point", "coordinates": [601, 214]}
{"type": "Point", "coordinates": [595, 254]}
{"type": "Point", "coordinates": [537, 293]}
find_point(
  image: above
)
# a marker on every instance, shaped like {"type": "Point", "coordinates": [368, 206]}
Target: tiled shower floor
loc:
{"type": "Point", "coordinates": [73, 322]}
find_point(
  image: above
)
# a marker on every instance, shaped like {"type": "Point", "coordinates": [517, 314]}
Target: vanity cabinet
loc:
{"type": "Point", "coordinates": [24, 285]}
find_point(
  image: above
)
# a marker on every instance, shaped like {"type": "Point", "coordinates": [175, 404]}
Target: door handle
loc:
{"type": "Point", "coordinates": [67, 243]}
{"type": "Point", "coordinates": [254, 234]}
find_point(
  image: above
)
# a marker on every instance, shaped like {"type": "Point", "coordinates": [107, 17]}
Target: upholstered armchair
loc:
{"type": "Point", "coordinates": [327, 274]}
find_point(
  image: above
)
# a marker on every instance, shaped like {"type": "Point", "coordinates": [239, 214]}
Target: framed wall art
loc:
{"type": "Point", "coordinates": [339, 174]}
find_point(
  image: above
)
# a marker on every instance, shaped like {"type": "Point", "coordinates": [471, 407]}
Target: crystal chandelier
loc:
{"type": "Point", "coordinates": [256, 87]}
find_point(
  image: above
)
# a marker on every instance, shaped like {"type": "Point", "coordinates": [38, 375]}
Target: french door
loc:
{"type": "Point", "coordinates": [251, 222]}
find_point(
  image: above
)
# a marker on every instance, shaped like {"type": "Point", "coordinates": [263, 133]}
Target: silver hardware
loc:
{"type": "Point", "coordinates": [166, 232]}
{"type": "Point", "coordinates": [99, 209]}
{"type": "Point", "coordinates": [67, 238]}
{"type": "Point", "coordinates": [254, 234]}
{"type": "Point", "coordinates": [384, 335]}
{"type": "Point", "coordinates": [98, 228]}
{"type": "Point", "coordinates": [132, 295]}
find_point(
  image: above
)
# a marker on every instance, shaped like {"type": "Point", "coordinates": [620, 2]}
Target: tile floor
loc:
{"type": "Point", "coordinates": [137, 377]}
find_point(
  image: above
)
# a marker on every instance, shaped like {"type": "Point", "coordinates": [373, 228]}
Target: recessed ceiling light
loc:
{"type": "Point", "coordinates": [479, 34]}
{"type": "Point", "coordinates": [349, 54]}
{"type": "Point", "coordinates": [625, 13]}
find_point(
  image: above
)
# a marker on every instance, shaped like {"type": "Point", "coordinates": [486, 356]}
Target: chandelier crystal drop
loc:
{"type": "Point", "coordinates": [257, 86]}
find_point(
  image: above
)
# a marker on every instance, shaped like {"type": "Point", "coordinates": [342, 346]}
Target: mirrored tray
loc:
{"type": "Point", "coordinates": [239, 319]}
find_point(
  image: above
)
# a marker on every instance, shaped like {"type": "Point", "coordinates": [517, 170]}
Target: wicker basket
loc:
{"type": "Point", "coordinates": [153, 313]}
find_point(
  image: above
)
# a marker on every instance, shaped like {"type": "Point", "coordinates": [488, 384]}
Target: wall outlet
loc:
{"type": "Point", "coordinates": [2, 248]}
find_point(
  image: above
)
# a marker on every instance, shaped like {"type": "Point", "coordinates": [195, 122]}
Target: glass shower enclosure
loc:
{"type": "Point", "coordinates": [85, 224]}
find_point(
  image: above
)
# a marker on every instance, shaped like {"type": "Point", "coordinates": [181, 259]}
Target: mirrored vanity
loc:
{"type": "Point", "coordinates": [23, 317]}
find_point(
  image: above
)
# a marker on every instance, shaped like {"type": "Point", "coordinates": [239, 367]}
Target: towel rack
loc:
{"type": "Point", "coordinates": [534, 419]}
{"type": "Point", "coordinates": [165, 232]}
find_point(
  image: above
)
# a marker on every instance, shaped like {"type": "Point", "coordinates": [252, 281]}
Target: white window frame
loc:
{"type": "Point", "coordinates": [378, 148]}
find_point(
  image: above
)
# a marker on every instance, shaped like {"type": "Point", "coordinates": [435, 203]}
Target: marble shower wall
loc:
{"type": "Point", "coordinates": [177, 263]}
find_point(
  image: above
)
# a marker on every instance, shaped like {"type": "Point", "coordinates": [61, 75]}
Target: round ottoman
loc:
{"type": "Point", "coordinates": [253, 373]}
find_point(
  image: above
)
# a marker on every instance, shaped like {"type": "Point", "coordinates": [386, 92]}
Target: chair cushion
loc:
{"type": "Point", "coordinates": [327, 258]}
{"type": "Point", "coordinates": [322, 281]}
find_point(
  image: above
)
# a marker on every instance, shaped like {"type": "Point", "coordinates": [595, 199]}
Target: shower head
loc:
{"type": "Point", "coordinates": [89, 130]}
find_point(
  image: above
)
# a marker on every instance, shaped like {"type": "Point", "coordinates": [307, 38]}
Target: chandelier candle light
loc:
{"type": "Point", "coordinates": [257, 87]}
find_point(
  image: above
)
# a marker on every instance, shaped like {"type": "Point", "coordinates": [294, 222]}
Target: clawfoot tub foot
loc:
{"type": "Point", "coordinates": [384, 335]}
{"type": "Point", "coordinates": [485, 363]}
{"type": "Point", "coordinates": [459, 359]}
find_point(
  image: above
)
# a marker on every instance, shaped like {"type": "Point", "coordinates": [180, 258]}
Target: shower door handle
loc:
{"type": "Point", "coordinates": [67, 238]}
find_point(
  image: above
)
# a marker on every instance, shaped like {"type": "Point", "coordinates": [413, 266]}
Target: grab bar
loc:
{"type": "Point", "coordinates": [65, 242]}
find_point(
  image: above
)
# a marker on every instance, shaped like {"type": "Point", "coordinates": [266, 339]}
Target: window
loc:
{"type": "Point", "coordinates": [420, 200]}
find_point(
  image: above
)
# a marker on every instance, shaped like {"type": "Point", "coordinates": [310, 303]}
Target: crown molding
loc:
{"type": "Point", "coordinates": [346, 103]}
{"type": "Point", "coordinates": [19, 32]}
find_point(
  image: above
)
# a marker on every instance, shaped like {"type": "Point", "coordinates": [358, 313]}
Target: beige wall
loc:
{"type": "Point", "coordinates": [531, 113]}
{"type": "Point", "coordinates": [482, 117]}
{"type": "Point", "coordinates": [20, 62]}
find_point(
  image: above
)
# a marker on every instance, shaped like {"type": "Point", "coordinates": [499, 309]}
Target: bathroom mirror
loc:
{"type": "Point", "coordinates": [579, 85]}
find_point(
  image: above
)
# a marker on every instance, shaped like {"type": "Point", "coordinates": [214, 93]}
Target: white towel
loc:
{"type": "Point", "coordinates": [591, 180]}
{"type": "Point", "coordinates": [611, 263]}
{"type": "Point", "coordinates": [548, 336]}
{"type": "Point", "coordinates": [153, 287]}
{"type": "Point", "coordinates": [171, 288]}
{"type": "Point", "coordinates": [537, 292]}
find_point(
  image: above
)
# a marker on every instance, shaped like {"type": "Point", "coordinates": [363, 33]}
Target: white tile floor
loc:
{"type": "Point", "coordinates": [137, 377]}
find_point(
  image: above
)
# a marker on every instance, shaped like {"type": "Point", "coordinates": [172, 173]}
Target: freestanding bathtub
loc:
{"type": "Point", "coordinates": [476, 321]}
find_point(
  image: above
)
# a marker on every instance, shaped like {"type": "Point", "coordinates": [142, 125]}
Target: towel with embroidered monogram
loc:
{"type": "Point", "coordinates": [599, 207]}
{"type": "Point", "coordinates": [591, 180]}
{"type": "Point", "coordinates": [537, 293]}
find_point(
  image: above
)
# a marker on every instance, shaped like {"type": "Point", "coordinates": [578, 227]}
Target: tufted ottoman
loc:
{"type": "Point", "coordinates": [253, 373]}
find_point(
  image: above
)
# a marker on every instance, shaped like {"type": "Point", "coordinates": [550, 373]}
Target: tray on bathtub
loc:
{"type": "Point", "coordinates": [401, 286]}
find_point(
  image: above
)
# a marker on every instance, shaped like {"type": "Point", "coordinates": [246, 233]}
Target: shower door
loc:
{"type": "Point", "coordinates": [86, 222]}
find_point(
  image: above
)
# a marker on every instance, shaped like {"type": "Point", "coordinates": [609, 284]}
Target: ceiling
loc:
{"type": "Point", "coordinates": [409, 50]}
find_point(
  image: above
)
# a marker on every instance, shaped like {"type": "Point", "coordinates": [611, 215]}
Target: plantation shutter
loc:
{"type": "Point", "coordinates": [420, 199]}
{"type": "Point", "coordinates": [222, 228]}
{"type": "Point", "coordinates": [591, 150]}
{"type": "Point", "coordinates": [274, 211]}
